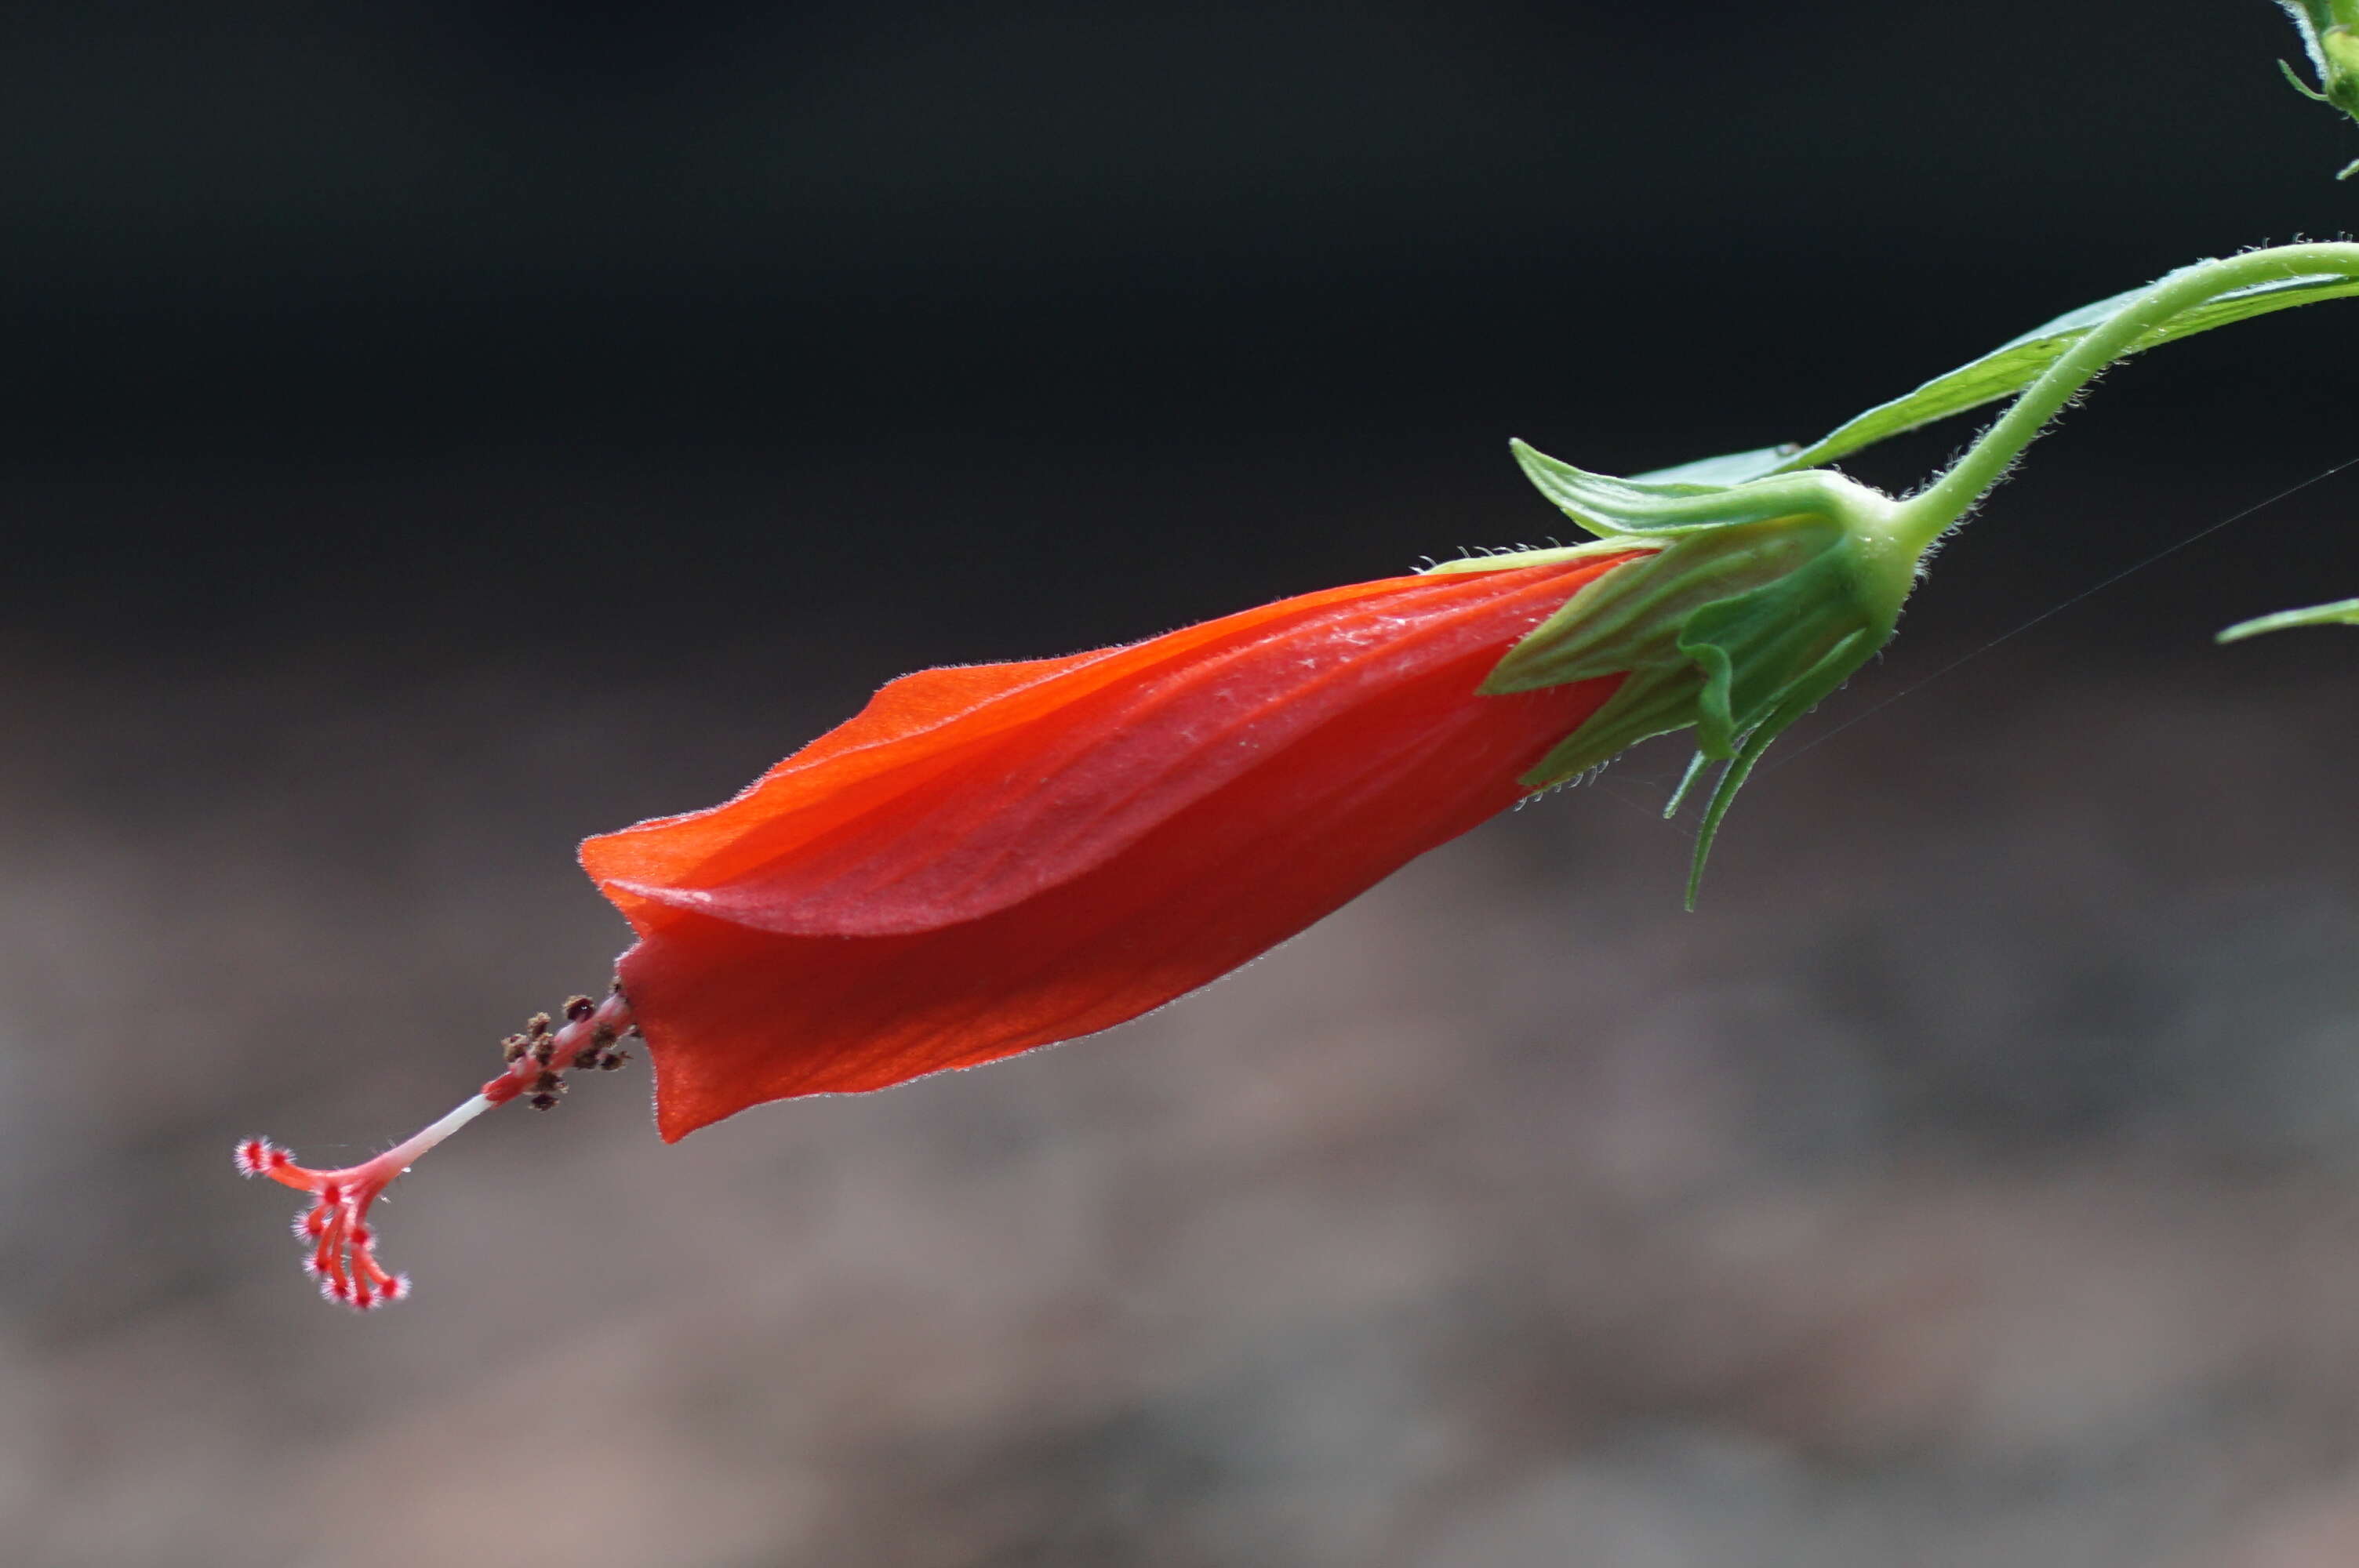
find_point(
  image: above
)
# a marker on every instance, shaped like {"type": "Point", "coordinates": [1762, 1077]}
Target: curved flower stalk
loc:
{"type": "Point", "coordinates": [994, 858]}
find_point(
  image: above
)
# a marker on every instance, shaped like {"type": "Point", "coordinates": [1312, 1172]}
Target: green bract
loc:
{"type": "Point", "coordinates": [1756, 602]}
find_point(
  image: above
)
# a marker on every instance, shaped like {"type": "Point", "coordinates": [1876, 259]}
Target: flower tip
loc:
{"type": "Point", "coordinates": [256, 1156]}
{"type": "Point", "coordinates": [367, 1295]}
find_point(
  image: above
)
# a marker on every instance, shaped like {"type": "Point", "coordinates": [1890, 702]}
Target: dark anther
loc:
{"type": "Point", "coordinates": [512, 1047]}
{"type": "Point", "coordinates": [536, 1025]}
{"type": "Point", "coordinates": [579, 1007]}
{"type": "Point", "coordinates": [604, 1034]}
{"type": "Point", "coordinates": [549, 1084]}
{"type": "Point", "coordinates": [586, 1057]}
{"type": "Point", "coordinates": [543, 1102]}
{"type": "Point", "coordinates": [612, 1060]}
{"type": "Point", "coordinates": [544, 1051]}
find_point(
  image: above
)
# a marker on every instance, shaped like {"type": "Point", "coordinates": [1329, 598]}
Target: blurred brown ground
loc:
{"type": "Point", "coordinates": [1973, 1181]}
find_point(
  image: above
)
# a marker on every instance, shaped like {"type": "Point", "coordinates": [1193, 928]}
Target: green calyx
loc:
{"type": "Point", "coordinates": [1767, 578]}
{"type": "Point", "coordinates": [1754, 601]}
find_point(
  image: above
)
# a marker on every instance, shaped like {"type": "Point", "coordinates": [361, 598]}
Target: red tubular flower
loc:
{"type": "Point", "coordinates": [994, 858]}
{"type": "Point", "coordinates": [990, 858]}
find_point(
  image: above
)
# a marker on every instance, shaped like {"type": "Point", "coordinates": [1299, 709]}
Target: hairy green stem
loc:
{"type": "Point", "coordinates": [1925, 516]}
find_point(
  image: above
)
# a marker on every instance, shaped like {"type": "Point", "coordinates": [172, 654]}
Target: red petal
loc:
{"type": "Point", "coordinates": [991, 859]}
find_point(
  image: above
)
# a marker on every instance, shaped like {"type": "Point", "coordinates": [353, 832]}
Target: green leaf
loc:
{"type": "Point", "coordinates": [2003, 371]}
{"type": "Point", "coordinates": [1615, 508]}
{"type": "Point", "coordinates": [2341, 612]}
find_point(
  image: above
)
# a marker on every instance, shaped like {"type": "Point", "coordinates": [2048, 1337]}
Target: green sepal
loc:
{"type": "Point", "coordinates": [2341, 612]}
{"type": "Point", "coordinates": [1701, 645]}
{"type": "Point", "coordinates": [1615, 508]}
{"type": "Point", "coordinates": [1749, 647]}
{"type": "Point", "coordinates": [1633, 619]}
{"type": "Point", "coordinates": [2304, 88]}
{"type": "Point", "coordinates": [1696, 765]}
{"type": "Point", "coordinates": [1752, 601]}
{"type": "Point", "coordinates": [1814, 686]}
{"type": "Point", "coordinates": [1651, 702]}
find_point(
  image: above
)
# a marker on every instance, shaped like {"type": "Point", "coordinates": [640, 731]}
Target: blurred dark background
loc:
{"type": "Point", "coordinates": [432, 433]}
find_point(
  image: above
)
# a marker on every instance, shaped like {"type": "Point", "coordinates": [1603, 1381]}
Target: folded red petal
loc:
{"type": "Point", "coordinates": [991, 859]}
